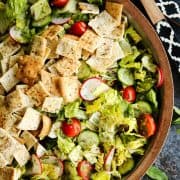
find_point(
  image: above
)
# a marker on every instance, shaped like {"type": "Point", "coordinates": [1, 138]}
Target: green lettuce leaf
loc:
{"type": "Point", "coordinates": [101, 175]}
{"type": "Point", "coordinates": [151, 96]}
{"type": "Point", "coordinates": [147, 62]}
{"type": "Point", "coordinates": [72, 110]}
{"type": "Point", "coordinates": [133, 35]}
{"type": "Point", "coordinates": [156, 174]}
{"type": "Point", "coordinates": [99, 2]}
{"type": "Point", "coordinates": [65, 144]}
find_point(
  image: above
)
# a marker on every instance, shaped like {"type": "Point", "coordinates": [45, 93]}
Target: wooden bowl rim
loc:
{"type": "Point", "coordinates": [167, 91]}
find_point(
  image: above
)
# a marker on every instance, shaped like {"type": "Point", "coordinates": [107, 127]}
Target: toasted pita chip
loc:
{"type": "Point", "coordinates": [89, 41]}
{"type": "Point", "coordinates": [115, 10]}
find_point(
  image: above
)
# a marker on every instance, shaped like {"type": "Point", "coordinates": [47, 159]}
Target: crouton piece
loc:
{"type": "Point", "coordinates": [7, 146]}
{"type": "Point", "coordinates": [7, 118]}
{"type": "Point", "coordinates": [69, 48]}
{"type": "Point", "coordinates": [118, 32]}
{"type": "Point", "coordinates": [38, 93]}
{"type": "Point", "coordinates": [14, 59]}
{"type": "Point", "coordinates": [28, 139]}
{"type": "Point", "coordinates": [51, 83]}
{"type": "Point", "coordinates": [67, 67]}
{"type": "Point", "coordinates": [47, 53]}
{"type": "Point", "coordinates": [115, 10]}
{"type": "Point", "coordinates": [70, 36]}
{"type": "Point", "coordinates": [38, 47]}
{"type": "Point", "coordinates": [21, 154]}
{"type": "Point", "coordinates": [99, 64]}
{"type": "Point", "coordinates": [30, 120]}
{"type": "Point", "coordinates": [22, 87]}
{"type": "Point", "coordinates": [52, 104]}
{"type": "Point", "coordinates": [2, 100]}
{"type": "Point", "coordinates": [100, 23]}
{"type": "Point", "coordinates": [9, 47]}
{"type": "Point", "coordinates": [4, 65]}
{"type": "Point", "coordinates": [48, 64]}
{"type": "Point", "coordinates": [17, 101]}
{"type": "Point", "coordinates": [3, 161]}
{"type": "Point", "coordinates": [89, 41]}
{"type": "Point", "coordinates": [52, 31]}
{"type": "Point", "coordinates": [2, 90]}
{"type": "Point", "coordinates": [9, 80]}
{"type": "Point", "coordinates": [29, 69]}
{"type": "Point", "coordinates": [52, 69]}
{"type": "Point", "coordinates": [117, 52]}
{"type": "Point", "coordinates": [9, 173]}
{"type": "Point", "coordinates": [85, 54]}
{"type": "Point", "coordinates": [87, 8]}
{"type": "Point", "coordinates": [52, 45]}
{"type": "Point", "coordinates": [69, 88]}
{"type": "Point", "coordinates": [105, 48]}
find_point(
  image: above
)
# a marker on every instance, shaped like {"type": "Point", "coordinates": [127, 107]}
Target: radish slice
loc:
{"type": "Point", "coordinates": [40, 150]}
{"type": "Point", "coordinates": [92, 88]}
{"type": "Point", "coordinates": [108, 159]}
{"type": "Point", "coordinates": [61, 167]}
{"type": "Point", "coordinates": [36, 165]}
{"type": "Point", "coordinates": [60, 20]}
{"type": "Point", "coordinates": [17, 35]}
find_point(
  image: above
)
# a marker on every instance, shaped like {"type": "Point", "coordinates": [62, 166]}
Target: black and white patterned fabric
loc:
{"type": "Point", "coordinates": [170, 9]}
{"type": "Point", "coordinates": [167, 35]}
{"type": "Point", "coordinates": [165, 30]}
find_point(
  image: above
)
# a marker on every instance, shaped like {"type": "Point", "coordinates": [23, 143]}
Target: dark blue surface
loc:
{"type": "Point", "coordinates": [169, 158]}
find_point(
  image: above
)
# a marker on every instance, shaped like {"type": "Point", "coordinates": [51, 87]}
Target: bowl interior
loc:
{"type": "Point", "coordinates": [152, 41]}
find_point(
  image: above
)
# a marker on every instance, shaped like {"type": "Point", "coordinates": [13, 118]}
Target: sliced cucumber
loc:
{"type": "Point", "coordinates": [126, 166]}
{"type": "Point", "coordinates": [87, 139]}
{"type": "Point", "coordinates": [142, 107]}
{"type": "Point", "coordinates": [70, 7]}
{"type": "Point", "coordinates": [126, 76]}
{"type": "Point", "coordinates": [42, 22]}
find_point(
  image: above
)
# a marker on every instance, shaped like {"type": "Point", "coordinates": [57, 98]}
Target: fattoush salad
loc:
{"type": "Point", "coordinates": [78, 91]}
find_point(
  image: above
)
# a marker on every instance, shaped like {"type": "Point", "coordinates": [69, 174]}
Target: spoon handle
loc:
{"type": "Point", "coordinates": [153, 11]}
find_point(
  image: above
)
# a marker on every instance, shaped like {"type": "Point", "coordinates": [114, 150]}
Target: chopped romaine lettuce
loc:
{"type": "Point", "coordinates": [92, 154]}
{"type": "Point", "coordinates": [139, 74]}
{"type": "Point", "coordinates": [84, 71]}
{"type": "Point", "coordinates": [40, 9]}
{"type": "Point", "coordinates": [76, 155]}
{"type": "Point", "coordinates": [151, 96]}
{"type": "Point", "coordinates": [133, 35]}
{"type": "Point", "coordinates": [101, 175]}
{"type": "Point", "coordinates": [148, 63]}
{"type": "Point", "coordinates": [65, 144]}
{"type": "Point", "coordinates": [145, 85]}
{"type": "Point", "coordinates": [126, 47]}
{"type": "Point", "coordinates": [99, 2]}
{"type": "Point", "coordinates": [4, 21]}
{"type": "Point", "coordinates": [130, 59]}
{"type": "Point", "coordinates": [73, 110]}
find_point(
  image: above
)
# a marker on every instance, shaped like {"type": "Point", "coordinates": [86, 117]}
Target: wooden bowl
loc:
{"type": "Point", "coordinates": [166, 98]}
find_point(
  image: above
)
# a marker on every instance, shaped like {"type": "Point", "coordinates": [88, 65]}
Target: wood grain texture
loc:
{"type": "Point", "coordinates": [153, 11]}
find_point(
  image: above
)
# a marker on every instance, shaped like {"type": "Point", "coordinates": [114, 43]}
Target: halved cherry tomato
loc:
{"type": "Point", "coordinates": [84, 168]}
{"type": "Point", "coordinates": [147, 125]}
{"type": "Point", "coordinates": [160, 79]}
{"type": "Point", "coordinates": [129, 94]}
{"type": "Point", "coordinates": [78, 28]}
{"type": "Point", "coordinates": [71, 129]}
{"type": "Point", "coordinates": [59, 3]}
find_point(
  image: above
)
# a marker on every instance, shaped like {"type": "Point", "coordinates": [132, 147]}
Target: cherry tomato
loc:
{"type": "Point", "coordinates": [59, 3]}
{"type": "Point", "coordinates": [71, 129]}
{"type": "Point", "coordinates": [147, 126]}
{"type": "Point", "coordinates": [78, 28]}
{"type": "Point", "coordinates": [84, 168]}
{"type": "Point", "coordinates": [129, 94]}
{"type": "Point", "coordinates": [160, 79]}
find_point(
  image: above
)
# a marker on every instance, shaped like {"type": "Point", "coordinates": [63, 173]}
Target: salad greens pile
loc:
{"type": "Point", "coordinates": [102, 134]}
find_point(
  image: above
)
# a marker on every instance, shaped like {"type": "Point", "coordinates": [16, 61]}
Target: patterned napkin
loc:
{"type": "Point", "coordinates": [171, 10]}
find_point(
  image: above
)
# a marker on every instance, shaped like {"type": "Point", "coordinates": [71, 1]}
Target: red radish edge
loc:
{"type": "Point", "coordinates": [98, 78]}
{"type": "Point", "coordinates": [61, 166]}
{"type": "Point", "coordinates": [60, 20]}
{"type": "Point", "coordinates": [36, 165]}
{"type": "Point", "coordinates": [108, 159]}
{"type": "Point", "coordinates": [160, 77]}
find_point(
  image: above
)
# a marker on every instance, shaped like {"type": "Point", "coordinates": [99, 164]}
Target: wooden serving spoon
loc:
{"type": "Point", "coordinates": [164, 29]}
